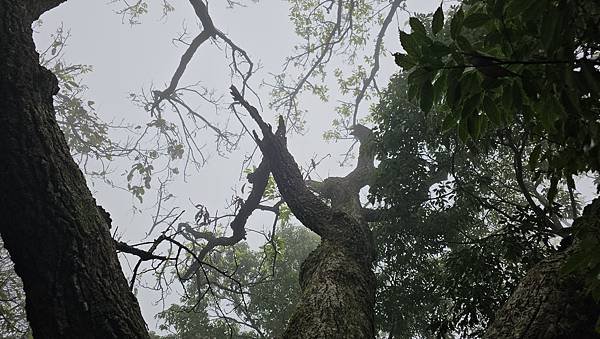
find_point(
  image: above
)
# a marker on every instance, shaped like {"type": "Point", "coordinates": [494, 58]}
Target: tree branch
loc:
{"type": "Point", "coordinates": [306, 206]}
{"type": "Point", "coordinates": [376, 53]}
{"type": "Point", "coordinates": [259, 179]}
{"type": "Point", "coordinates": [142, 254]}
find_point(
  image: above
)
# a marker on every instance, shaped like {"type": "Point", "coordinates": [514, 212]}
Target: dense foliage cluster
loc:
{"type": "Point", "coordinates": [458, 233]}
{"type": "Point", "coordinates": [503, 85]}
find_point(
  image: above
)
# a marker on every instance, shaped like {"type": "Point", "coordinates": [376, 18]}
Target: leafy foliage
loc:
{"type": "Point", "coordinates": [270, 291]}
{"type": "Point", "coordinates": [458, 233]}
{"type": "Point", "coordinates": [13, 320]}
{"type": "Point", "coordinates": [533, 66]}
{"type": "Point", "coordinates": [85, 133]}
{"type": "Point", "coordinates": [504, 65]}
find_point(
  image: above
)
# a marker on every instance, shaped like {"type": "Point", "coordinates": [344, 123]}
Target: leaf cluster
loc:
{"type": "Point", "coordinates": [503, 63]}
{"type": "Point", "coordinates": [531, 66]}
{"type": "Point", "coordinates": [458, 233]}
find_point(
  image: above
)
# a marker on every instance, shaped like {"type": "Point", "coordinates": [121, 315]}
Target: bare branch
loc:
{"type": "Point", "coordinates": [376, 54]}
{"type": "Point", "coordinates": [258, 179]}
{"type": "Point", "coordinates": [144, 255]}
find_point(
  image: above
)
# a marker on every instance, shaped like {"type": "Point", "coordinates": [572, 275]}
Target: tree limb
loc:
{"type": "Point", "coordinates": [258, 179]}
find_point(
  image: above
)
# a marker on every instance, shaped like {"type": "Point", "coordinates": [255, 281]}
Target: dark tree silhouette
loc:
{"type": "Point", "coordinates": [51, 226]}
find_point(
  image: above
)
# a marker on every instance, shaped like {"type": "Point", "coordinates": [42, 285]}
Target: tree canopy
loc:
{"type": "Point", "coordinates": [502, 68]}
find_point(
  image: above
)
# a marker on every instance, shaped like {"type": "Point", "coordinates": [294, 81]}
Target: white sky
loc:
{"type": "Point", "coordinates": [127, 58]}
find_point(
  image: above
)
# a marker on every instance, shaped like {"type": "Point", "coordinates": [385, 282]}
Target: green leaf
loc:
{"type": "Point", "coordinates": [591, 78]}
{"type": "Point", "coordinates": [548, 30]}
{"type": "Point", "coordinates": [463, 130]}
{"type": "Point", "coordinates": [456, 23]}
{"type": "Point", "coordinates": [413, 90]}
{"type": "Point", "coordinates": [458, 57]}
{"type": "Point", "coordinates": [453, 94]}
{"type": "Point", "coordinates": [474, 125]}
{"type": "Point", "coordinates": [516, 8]}
{"type": "Point", "coordinates": [471, 105]}
{"type": "Point", "coordinates": [534, 157]}
{"type": "Point", "coordinates": [405, 61]}
{"type": "Point", "coordinates": [507, 99]}
{"type": "Point", "coordinates": [419, 76]}
{"type": "Point", "coordinates": [450, 121]}
{"type": "Point", "coordinates": [491, 111]}
{"type": "Point", "coordinates": [489, 83]}
{"type": "Point", "coordinates": [417, 26]}
{"type": "Point", "coordinates": [439, 50]}
{"type": "Point", "coordinates": [409, 44]}
{"type": "Point", "coordinates": [421, 40]}
{"type": "Point", "coordinates": [438, 20]}
{"type": "Point", "coordinates": [498, 8]}
{"type": "Point", "coordinates": [530, 87]}
{"type": "Point", "coordinates": [517, 95]}
{"type": "Point", "coordinates": [426, 97]}
{"type": "Point", "coordinates": [534, 10]}
{"type": "Point", "coordinates": [570, 96]}
{"type": "Point", "coordinates": [438, 86]}
{"type": "Point", "coordinates": [494, 37]}
{"type": "Point", "coordinates": [454, 75]}
{"type": "Point", "coordinates": [549, 110]}
{"type": "Point", "coordinates": [470, 83]}
{"type": "Point", "coordinates": [476, 20]}
{"type": "Point", "coordinates": [463, 44]}
{"type": "Point", "coordinates": [453, 90]}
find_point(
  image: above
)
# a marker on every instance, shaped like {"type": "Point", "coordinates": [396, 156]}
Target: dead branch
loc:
{"type": "Point", "coordinates": [376, 54]}
{"type": "Point", "coordinates": [258, 179]}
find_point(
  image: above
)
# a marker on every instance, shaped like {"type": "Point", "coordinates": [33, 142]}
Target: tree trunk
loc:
{"type": "Point", "coordinates": [548, 303]}
{"type": "Point", "coordinates": [49, 222]}
{"type": "Point", "coordinates": [337, 279]}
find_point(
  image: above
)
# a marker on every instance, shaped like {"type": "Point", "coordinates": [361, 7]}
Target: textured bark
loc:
{"type": "Point", "coordinates": [343, 192]}
{"type": "Point", "coordinates": [59, 242]}
{"type": "Point", "coordinates": [337, 279]}
{"type": "Point", "coordinates": [549, 304]}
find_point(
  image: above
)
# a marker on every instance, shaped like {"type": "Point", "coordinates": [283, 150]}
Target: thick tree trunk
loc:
{"type": "Point", "coordinates": [338, 291]}
{"type": "Point", "coordinates": [337, 279]}
{"type": "Point", "coordinates": [548, 303]}
{"type": "Point", "coordinates": [60, 244]}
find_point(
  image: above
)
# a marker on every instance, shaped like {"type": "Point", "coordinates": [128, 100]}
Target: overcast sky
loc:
{"type": "Point", "coordinates": [128, 58]}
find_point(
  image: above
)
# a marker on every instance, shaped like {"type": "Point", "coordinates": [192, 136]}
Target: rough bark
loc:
{"type": "Point", "coordinates": [59, 242]}
{"type": "Point", "coordinates": [343, 192]}
{"type": "Point", "coordinates": [548, 303]}
{"type": "Point", "coordinates": [337, 279]}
